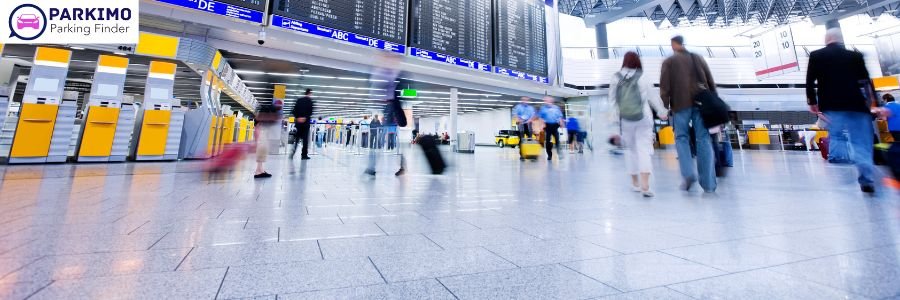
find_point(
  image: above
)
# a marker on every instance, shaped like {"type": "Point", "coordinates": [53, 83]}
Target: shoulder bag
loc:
{"type": "Point", "coordinates": [713, 109]}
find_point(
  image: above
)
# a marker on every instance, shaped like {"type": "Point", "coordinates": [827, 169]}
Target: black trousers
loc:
{"type": "Point", "coordinates": [551, 131]}
{"type": "Point", "coordinates": [302, 134]}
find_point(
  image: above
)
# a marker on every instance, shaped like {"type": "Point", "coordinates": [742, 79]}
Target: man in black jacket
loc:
{"type": "Point", "coordinates": [302, 113]}
{"type": "Point", "coordinates": [839, 90]}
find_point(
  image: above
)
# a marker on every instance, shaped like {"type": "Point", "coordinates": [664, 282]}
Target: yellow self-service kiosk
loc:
{"type": "Point", "coordinates": [243, 130]}
{"type": "Point", "coordinates": [102, 126]}
{"type": "Point", "coordinates": [201, 123]}
{"type": "Point", "coordinates": [228, 126]}
{"type": "Point", "coordinates": [45, 125]}
{"type": "Point", "coordinates": [159, 123]}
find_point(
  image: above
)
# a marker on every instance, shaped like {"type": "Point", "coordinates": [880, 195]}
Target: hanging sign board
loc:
{"type": "Point", "coordinates": [775, 53]}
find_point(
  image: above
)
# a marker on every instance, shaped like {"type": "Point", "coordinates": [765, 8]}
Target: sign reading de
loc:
{"type": "Point", "coordinates": [70, 22]}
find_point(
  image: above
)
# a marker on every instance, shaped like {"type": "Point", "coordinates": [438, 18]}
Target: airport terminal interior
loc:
{"type": "Point", "coordinates": [349, 149]}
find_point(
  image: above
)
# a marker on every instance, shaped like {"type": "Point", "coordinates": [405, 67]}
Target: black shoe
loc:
{"type": "Point", "coordinates": [400, 172]}
{"type": "Point", "coordinates": [262, 175]}
{"type": "Point", "coordinates": [370, 172]}
{"type": "Point", "coordinates": [305, 158]}
{"type": "Point", "coordinates": [868, 189]}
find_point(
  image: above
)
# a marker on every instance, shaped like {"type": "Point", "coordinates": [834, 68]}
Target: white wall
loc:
{"type": "Point", "coordinates": [485, 124]}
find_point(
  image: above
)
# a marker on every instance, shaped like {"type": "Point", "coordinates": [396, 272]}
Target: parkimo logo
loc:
{"type": "Point", "coordinates": [68, 22]}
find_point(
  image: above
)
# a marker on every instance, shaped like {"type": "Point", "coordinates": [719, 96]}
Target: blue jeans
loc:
{"type": "Point", "coordinates": [858, 126]}
{"type": "Point", "coordinates": [705, 155]}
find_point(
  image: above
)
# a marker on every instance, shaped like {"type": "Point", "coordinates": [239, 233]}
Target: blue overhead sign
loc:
{"type": "Point", "coordinates": [521, 75]}
{"type": "Point", "coordinates": [331, 33]}
{"type": "Point", "coordinates": [219, 8]}
{"type": "Point", "coordinates": [456, 61]}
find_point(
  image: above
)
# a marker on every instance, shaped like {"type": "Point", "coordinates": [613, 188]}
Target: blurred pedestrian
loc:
{"type": "Point", "coordinates": [838, 87]}
{"type": "Point", "coordinates": [268, 123]}
{"type": "Point", "coordinates": [573, 129]}
{"type": "Point", "coordinates": [384, 79]}
{"type": "Point", "coordinates": [524, 114]}
{"type": "Point", "coordinates": [634, 101]}
{"type": "Point", "coordinates": [552, 117]}
{"type": "Point", "coordinates": [302, 113]}
{"type": "Point", "coordinates": [684, 76]}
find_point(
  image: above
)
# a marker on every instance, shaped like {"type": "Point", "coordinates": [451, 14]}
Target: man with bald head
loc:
{"type": "Point", "coordinates": [840, 91]}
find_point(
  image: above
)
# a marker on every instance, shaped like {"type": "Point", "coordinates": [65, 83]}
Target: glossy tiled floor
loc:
{"type": "Point", "coordinates": [783, 226]}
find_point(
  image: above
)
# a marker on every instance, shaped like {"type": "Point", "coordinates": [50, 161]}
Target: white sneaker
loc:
{"type": "Point", "coordinates": [648, 194]}
{"type": "Point", "coordinates": [636, 189]}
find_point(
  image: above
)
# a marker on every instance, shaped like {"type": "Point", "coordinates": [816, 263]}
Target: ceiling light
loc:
{"type": "Point", "coordinates": [248, 72]}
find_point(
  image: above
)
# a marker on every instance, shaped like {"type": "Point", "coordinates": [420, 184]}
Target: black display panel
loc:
{"type": "Point", "coordinates": [520, 41]}
{"type": "Point", "coordinates": [380, 19]}
{"type": "Point", "coordinates": [460, 28]}
{"type": "Point", "coordinates": [259, 5]}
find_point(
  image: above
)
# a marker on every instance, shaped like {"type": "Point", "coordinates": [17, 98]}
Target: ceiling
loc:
{"type": "Point", "coordinates": [721, 13]}
{"type": "Point", "coordinates": [345, 93]}
{"type": "Point", "coordinates": [84, 64]}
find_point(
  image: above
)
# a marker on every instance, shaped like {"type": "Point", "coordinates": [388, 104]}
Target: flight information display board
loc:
{"type": "Point", "coordinates": [381, 19]}
{"type": "Point", "coordinates": [520, 42]}
{"type": "Point", "coordinates": [460, 28]}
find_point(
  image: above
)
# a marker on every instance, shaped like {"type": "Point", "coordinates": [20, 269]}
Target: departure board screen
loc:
{"type": "Point", "coordinates": [259, 5]}
{"type": "Point", "coordinates": [461, 28]}
{"type": "Point", "coordinates": [380, 19]}
{"type": "Point", "coordinates": [521, 36]}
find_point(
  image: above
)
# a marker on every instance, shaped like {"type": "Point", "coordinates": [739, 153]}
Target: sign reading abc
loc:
{"type": "Point", "coordinates": [70, 22]}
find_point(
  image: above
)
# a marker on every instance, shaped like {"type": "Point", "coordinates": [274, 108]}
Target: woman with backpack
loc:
{"type": "Point", "coordinates": [632, 97]}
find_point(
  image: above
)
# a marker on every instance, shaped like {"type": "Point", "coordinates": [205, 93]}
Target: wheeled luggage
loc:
{"type": "Point", "coordinates": [823, 147]}
{"type": "Point", "coordinates": [429, 144]}
{"type": "Point", "coordinates": [530, 148]}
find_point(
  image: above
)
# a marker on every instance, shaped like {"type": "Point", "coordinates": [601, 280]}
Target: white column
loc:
{"type": "Point", "coordinates": [454, 117]}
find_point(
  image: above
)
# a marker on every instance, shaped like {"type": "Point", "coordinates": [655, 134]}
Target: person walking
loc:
{"type": "Point", "coordinates": [364, 132]}
{"type": "Point", "coordinates": [552, 117]}
{"type": "Point", "coordinates": [893, 118]}
{"type": "Point", "coordinates": [302, 113]}
{"type": "Point", "coordinates": [268, 122]}
{"type": "Point", "coordinates": [384, 78]}
{"type": "Point", "coordinates": [573, 129]}
{"type": "Point", "coordinates": [839, 89]}
{"type": "Point", "coordinates": [684, 75]}
{"type": "Point", "coordinates": [633, 102]}
{"type": "Point", "coordinates": [524, 114]}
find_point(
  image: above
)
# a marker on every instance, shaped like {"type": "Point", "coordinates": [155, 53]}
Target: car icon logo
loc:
{"type": "Point", "coordinates": [28, 21]}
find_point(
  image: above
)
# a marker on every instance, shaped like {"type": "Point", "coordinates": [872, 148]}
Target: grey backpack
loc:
{"type": "Point", "coordinates": [628, 97]}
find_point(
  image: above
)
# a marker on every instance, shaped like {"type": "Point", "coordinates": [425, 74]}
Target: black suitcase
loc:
{"type": "Point", "coordinates": [429, 144]}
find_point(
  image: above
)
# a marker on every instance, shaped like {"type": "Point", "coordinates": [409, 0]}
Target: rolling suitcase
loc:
{"type": "Point", "coordinates": [823, 147]}
{"type": "Point", "coordinates": [530, 149]}
{"type": "Point", "coordinates": [432, 153]}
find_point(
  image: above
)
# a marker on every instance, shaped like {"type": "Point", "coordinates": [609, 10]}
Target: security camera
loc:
{"type": "Point", "coordinates": [261, 40]}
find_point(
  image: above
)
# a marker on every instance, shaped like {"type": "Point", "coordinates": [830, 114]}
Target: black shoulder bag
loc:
{"type": "Point", "coordinates": [713, 109]}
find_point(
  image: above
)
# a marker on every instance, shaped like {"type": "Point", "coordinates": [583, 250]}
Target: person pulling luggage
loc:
{"type": "Point", "coordinates": [524, 114]}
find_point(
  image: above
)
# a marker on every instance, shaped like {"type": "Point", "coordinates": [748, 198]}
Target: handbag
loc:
{"type": "Point", "coordinates": [713, 109]}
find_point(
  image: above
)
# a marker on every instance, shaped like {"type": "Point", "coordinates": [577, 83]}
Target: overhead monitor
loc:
{"type": "Point", "coordinates": [774, 53]}
{"type": "Point", "coordinates": [380, 19]}
{"type": "Point", "coordinates": [520, 38]}
{"type": "Point", "coordinates": [461, 28]}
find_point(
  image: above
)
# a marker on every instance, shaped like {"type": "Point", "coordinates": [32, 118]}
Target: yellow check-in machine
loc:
{"type": "Point", "coordinates": [108, 122]}
{"type": "Point", "coordinates": [202, 122]}
{"type": "Point", "coordinates": [46, 121]}
{"type": "Point", "coordinates": [229, 118]}
{"type": "Point", "coordinates": [157, 131]}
